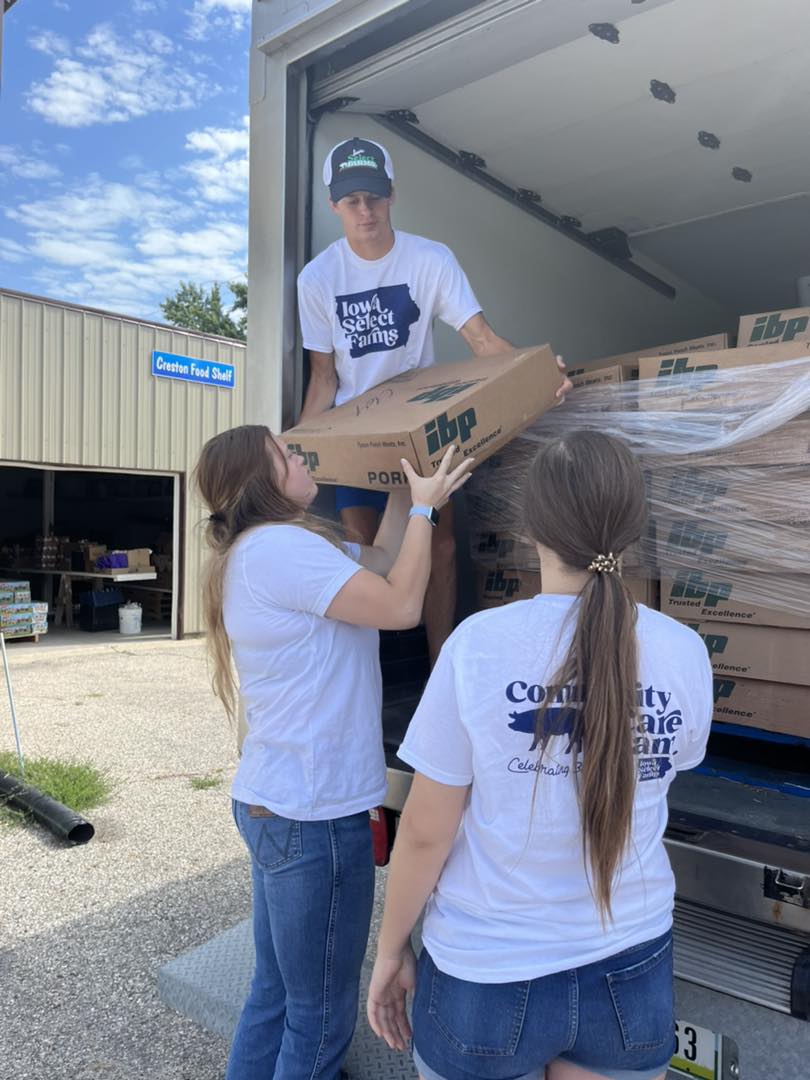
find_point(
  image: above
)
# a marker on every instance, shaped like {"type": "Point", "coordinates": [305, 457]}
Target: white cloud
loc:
{"type": "Point", "coordinates": [221, 172]}
{"type": "Point", "coordinates": [50, 43]}
{"type": "Point", "coordinates": [124, 246]}
{"type": "Point", "coordinates": [61, 5]}
{"type": "Point", "coordinates": [109, 81]}
{"type": "Point", "coordinates": [208, 16]}
{"type": "Point", "coordinates": [11, 251]}
{"type": "Point", "coordinates": [26, 166]}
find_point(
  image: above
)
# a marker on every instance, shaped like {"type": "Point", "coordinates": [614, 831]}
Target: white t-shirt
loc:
{"type": "Point", "coordinates": [311, 686]}
{"type": "Point", "coordinates": [377, 315]}
{"type": "Point", "coordinates": [513, 905]}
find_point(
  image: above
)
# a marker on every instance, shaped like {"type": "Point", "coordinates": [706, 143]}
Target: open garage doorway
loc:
{"type": "Point", "coordinates": [70, 532]}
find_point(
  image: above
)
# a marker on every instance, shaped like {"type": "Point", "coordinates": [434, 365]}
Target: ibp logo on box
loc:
{"type": "Point", "coordinates": [498, 584]}
{"type": "Point", "coordinates": [679, 365]}
{"type": "Point", "coordinates": [311, 459]}
{"type": "Point", "coordinates": [445, 430]}
{"type": "Point", "coordinates": [771, 328]}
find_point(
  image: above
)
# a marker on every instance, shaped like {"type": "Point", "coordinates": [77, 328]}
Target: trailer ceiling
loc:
{"type": "Point", "coordinates": [553, 107]}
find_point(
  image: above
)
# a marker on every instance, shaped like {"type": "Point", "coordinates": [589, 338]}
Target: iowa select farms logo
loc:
{"type": "Point", "coordinates": [377, 320]}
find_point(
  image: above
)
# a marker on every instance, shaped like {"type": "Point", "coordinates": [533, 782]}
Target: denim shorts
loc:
{"type": "Point", "coordinates": [614, 1017]}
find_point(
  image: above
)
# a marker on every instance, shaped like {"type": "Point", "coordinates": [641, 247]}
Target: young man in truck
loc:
{"type": "Point", "coordinates": [367, 305]}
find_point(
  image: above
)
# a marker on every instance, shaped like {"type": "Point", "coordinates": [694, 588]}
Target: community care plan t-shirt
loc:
{"type": "Point", "coordinates": [377, 315]}
{"type": "Point", "coordinates": [311, 686]}
{"type": "Point", "coordinates": [513, 900]}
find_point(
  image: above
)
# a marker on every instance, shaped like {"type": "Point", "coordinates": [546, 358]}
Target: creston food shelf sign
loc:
{"type": "Point", "coordinates": [188, 369]}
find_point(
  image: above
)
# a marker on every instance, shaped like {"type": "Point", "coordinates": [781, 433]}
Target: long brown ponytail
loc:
{"type": "Point", "coordinates": [239, 477]}
{"type": "Point", "coordinates": [585, 498]}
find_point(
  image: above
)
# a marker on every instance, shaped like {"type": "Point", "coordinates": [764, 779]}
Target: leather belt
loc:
{"type": "Point", "coordinates": [259, 811]}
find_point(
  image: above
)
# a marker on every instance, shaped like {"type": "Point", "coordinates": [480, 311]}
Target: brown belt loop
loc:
{"type": "Point", "coordinates": [259, 811]}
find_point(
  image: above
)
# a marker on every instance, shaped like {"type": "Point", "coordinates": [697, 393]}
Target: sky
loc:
{"type": "Point", "coordinates": [123, 149]}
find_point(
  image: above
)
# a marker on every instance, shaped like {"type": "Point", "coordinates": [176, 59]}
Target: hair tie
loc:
{"type": "Point", "coordinates": [217, 517]}
{"type": "Point", "coordinates": [604, 564]}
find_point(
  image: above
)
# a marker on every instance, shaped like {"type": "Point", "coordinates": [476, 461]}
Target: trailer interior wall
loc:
{"type": "Point", "coordinates": [535, 285]}
{"type": "Point", "coordinates": [76, 389]}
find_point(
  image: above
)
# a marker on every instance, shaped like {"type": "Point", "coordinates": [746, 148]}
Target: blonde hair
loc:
{"type": "Point", "coordinates": [585, 498]}
{"type": "Point", "coordinates": [239, 476]}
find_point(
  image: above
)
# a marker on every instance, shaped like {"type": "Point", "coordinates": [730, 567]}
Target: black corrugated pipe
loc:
{"type": "Point", "coordinates": [60, 820]}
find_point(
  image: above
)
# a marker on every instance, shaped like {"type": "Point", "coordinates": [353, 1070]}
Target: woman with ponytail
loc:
{"type": "Point", "coordinates": [292, 614]}
{"type": "Point", "coordinates": [543, 749]}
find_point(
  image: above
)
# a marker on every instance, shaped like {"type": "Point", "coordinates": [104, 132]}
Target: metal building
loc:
{"type": "Point", "coordinates": [88, 399]}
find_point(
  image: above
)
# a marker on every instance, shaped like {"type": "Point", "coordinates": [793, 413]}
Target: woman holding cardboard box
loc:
{"type": "Point", "coordinates": [297, 612]}
{"type": "Point", "coordinates": [544, 745]}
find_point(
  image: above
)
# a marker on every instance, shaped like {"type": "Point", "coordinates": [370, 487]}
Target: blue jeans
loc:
{"type": "Point", "coordinates": [614, 1017]}
{"type": "Point", "coordinates": [313, 889]}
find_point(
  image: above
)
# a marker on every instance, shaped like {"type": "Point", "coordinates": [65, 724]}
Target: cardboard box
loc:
{"type": "Point", "coordinates": [91, 553]}
{"type": "Point", "coordinates": [690, 541]}
{"type": "Point", "coordinates": [15, 592]}
{"type": "Point", "coordinates": [478, 404]}
{"type": "Point", "coordinates": [493, 547]}
{"type": "Point", "coordinates": [644, 589]}
{"type": "Point", "coordinates": [139, 558]}
{"type": "Point", "coordinates": [760, 493]}
{"type": "Point", "coordinates": [773, 654]}
{"type": "Point", "coordinates": [702, 596]}
{"type": "Point", "coordinates": [684, 365]}
{"type": "Point", "coordinates": [772, 706]}
{"type": "Point", "coordinates": [497, 586]}
{"type": "Point", "coordinates": [785, 445]}
{"type": "Point", "coordinates": [771, 327]}
{"type": "Point", "coordinates": [629, 362]}
{"type": "Point", "coordinates": [710, 343]}
{"type": "Point", "coordinates": [602, 376]}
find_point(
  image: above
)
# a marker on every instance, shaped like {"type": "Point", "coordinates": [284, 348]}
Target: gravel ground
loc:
{"type": "Point", "coordinates": [85, 929]}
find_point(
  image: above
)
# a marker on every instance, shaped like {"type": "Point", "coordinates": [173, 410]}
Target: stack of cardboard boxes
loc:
{"type": "Point", "coordinates": [732, 533]}
{"type": "Point", "coordinates": [729, 548]}
{"type": "Point", "coordinates": [19, 617]}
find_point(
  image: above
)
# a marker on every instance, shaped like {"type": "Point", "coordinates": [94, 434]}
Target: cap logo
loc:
{"type": "Point", "coordinates": [358, 159]}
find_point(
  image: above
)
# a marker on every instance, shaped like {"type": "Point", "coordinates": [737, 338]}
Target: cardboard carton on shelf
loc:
{"type": "Point", "coordinates": [478, 405]}
{"type": "Point", "coordinates": [705, 596]}
{"type": "Point", "coordinates": [773, 654]}
{"type": "Point", "coordinates": [771, 327]}
{"type": "Point", "coordinates": [91, 553]}
{"type": "Point", "coordinates": [138, 559]}
{"type": "Point", "coordinates": [770, 706]}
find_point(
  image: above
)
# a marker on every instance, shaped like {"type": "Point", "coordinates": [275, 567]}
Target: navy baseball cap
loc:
{"type": "Point", "coordinates": [358, 165]}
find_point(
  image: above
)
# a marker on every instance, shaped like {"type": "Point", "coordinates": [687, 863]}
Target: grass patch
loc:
{"type": "Point", "coordinates": [76, 784]}
{"type": "Point", "coordinates": [203, 783]}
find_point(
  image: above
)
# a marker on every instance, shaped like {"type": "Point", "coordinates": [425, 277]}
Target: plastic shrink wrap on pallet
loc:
{"type": "Point", "coordinates": [726, 456]}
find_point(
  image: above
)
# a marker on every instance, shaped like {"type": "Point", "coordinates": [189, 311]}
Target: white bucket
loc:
{"type": "Point", "coordinates": [129, 618]}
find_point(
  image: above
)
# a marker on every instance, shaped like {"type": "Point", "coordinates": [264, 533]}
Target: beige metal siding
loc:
{"type": "Point", "coordinates": [76, 389]}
